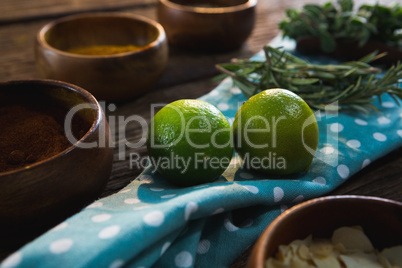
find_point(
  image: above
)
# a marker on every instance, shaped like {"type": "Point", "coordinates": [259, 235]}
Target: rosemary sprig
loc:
{"type": "Point", "coordinates": [349, 85]}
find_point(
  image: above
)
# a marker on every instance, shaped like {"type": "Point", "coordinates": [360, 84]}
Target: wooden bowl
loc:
{"type": "Point", "coordinates": [108, 77]}
{"type": "Point", "coordinates": [37, 197]}
{"type": "Point", "coordinates": [207, 25]}
{"type": "Point", "coordinates": [347, 51]}
{"type": "Point", "coordinates": [380, 218]}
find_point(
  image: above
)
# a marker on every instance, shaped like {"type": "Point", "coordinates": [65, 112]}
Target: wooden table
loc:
{"type": "Point", "coordinates": [188, 75]}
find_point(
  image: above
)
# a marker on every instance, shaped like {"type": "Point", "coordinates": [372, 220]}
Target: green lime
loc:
{"type": "Point", "coordinates": [276, 132]}
{"type": "Point", "coordinates": [189, 142]}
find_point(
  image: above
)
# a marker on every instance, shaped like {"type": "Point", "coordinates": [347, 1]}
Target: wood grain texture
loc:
{"type": "Point", "coordinates": [188, 75]}
{"type": "Point", "coordinates": [25, 10]}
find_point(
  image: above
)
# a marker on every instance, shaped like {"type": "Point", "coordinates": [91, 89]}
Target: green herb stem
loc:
{"type": "Point", "coordinates": [348, 86]}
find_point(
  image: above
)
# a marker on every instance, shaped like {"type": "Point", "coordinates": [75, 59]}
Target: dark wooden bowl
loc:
{"type": "Point", "coordinates": [38, 196]}
{"type": "Point", "coordinates": [111, 77]}
{"type": "Point", "coordinates": [351, 51]}
{"type": "Point", "coordinates": [380, 218]}
{"type": "Point", "coordinates": [208, 25]}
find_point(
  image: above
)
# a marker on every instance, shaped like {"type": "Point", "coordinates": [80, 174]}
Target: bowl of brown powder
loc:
{"type": "Point", "coordinates": [54, 155]}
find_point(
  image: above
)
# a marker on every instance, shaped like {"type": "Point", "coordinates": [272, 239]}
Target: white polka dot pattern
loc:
{"type": "Point", "coordinates": [360, 122]}
{"type": "Point", "coordinates": [165, 247]}
{"type": "Point", "coordinates": [61, 246]}
{"type": "Point", "coordinates": [203, 246]}
{"type": "Point", "coordinates": [353, 144]}
{"type": "Point", "coordinates": [252, 189]}
{"type": "Point", "coordinates": [223, 106]}
{"type": "Point", "coordinates": [365, 163]}
{"type": "Point", "coordinates": [343, 171]}
{"type": "Point", "coordinates": [218, 211]}
{"type": "Point", "coordinates": [298, 199]}
{"type": "Point", "coordinates": [191, 207]}
{"type": "Point", "coordinates": [95, 205]}
{"type": "Point", "coordinates": [229, 226]}
{"type": "Point", "coordinates": [155, 218]}
{"type": "Point", "coordinates": [109, 232]}
{"type": "Point", "coordinates": [183, 259]}
{"type": "Point", "coordinates": [60, 226]}
{"type": "Point", "coordinates": [131, 201]}
{"type": "Point", "coordinates": [12, 261]}
{"type": "Point", "coordinates": [379, 136]}
{"type": "Point", "coordinates": [336, 127]}
{"type": "Point", "coordinates": [278, 194]}
{"type": "Point", "coordinates": [383, 120]}
{"type": "Point", "coordinates": [320, 180]}
{"type": "Point", "coordinates": [327, 150]}
{"type": "Point", "coordinates": [388, 104]}
{"type": "Point", "coordinates": [116, 264]}
{"type": "Point", "coordinates": [101, 217]}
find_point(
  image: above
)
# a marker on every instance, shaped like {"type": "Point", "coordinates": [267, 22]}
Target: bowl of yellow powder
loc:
{"type": "Point", "coordinates": [115, 56]}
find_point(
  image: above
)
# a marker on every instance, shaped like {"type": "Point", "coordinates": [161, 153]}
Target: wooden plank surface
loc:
{"type": "Point", "coordinates": [27, 10]}
{"type": "Point", "coordinates": [188, 75]}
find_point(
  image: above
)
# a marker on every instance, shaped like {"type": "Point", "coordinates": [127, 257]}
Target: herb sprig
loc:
{"type": "Point", "coordinates": [330, 23]}
{"type": "Point", "coordinates": [352, 85]}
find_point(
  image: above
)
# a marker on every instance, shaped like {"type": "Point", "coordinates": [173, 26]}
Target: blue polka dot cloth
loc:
{"type": "Point", "coordinates": [151, 223]}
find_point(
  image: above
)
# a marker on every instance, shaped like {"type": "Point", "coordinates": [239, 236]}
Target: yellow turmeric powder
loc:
{"type": "Point", "coordinates": [103, 49]}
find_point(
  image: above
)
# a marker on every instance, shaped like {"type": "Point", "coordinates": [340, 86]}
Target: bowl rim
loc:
{"type": "Point", "coordinates": [258, 254]}
{"type": "Point", "coordinates": [210, 10]}
{"type": "Point", "coordinates": [82, 92]}
{"type": "Point", "coordinates": [41, 40]}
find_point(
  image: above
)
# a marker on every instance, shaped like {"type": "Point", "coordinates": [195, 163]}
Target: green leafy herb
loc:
{"type": "Point", "coordinates": [330, 23]}
{"type": "Point", "coordinates": [352, 85]}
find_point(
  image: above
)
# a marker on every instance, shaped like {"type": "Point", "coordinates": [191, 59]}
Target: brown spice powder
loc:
{"type": "Point", "coordinates": [28, 136]}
